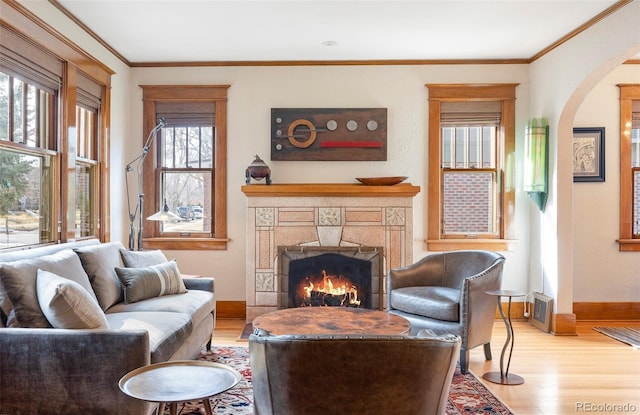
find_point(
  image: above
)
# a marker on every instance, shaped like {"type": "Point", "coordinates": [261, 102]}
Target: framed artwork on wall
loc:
{"type": "Point", "coordinates": [324, 134]}
{"type": "Point", "coordinates": [588, 154]}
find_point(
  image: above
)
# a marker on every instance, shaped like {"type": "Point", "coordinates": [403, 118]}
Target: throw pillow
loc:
{"type": "Point", "coordinates": [19, 281]}
{"type": "Point", "coordinates": [6, 309]}
{"type": "Point", "coordinates": [100, 262]}
{"type": "Point", "coordinates": [147, 282]}
{"type": "Point", "coordinates": [139, 259]}
{"type": "Point", "coordinates": [66, 304]}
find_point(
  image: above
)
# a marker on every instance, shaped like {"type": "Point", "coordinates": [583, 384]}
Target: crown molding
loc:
{"type": "Point", "coordinates": [185, 64]}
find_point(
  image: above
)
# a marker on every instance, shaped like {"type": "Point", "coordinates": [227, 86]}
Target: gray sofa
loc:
{"type": "Point", "coordinates": [46, 368]}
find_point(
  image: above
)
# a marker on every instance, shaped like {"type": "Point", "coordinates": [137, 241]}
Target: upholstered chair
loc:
{"type": "Point", "coordinates": [446, 293]}
{"type": "Point", "coordinates": [351, 375]}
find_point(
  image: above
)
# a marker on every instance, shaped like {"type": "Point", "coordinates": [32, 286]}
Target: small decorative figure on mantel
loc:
{"type": "Point", "coordinates": [258, 170]}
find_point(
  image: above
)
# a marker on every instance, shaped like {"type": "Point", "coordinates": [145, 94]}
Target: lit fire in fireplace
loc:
{"type": "Point", "coordinates": [331, 290]}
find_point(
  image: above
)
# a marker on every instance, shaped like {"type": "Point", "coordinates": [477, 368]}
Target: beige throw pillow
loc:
{"type": "Point", "coordinates": [19, 281]}
{"type": "Point", "coordinates": [6, 309]}
{"type": "Point", "coordinates": [147, 282]}
{"type": "Point", "coordinates": [139, 259]}
{"type": "Point", "coordinates": [66, 304]}
{"type": "Point", "coordinates": [99, 261]}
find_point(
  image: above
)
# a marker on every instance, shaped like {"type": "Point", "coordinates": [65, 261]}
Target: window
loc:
{"type": "Point", "coordinates": [469, 134]}
{"type": "Point", "coordinates": [87, 156]}
{"type": "Point", "coordinates": [189, 167]}
{"type": "Point", "coordinates": [25, 199]}
{"type": "Point", "coordinates": [629, 167]}
{"type": "Point", "coordinates": [635, 168]}
{"type": "Point", "coordinates": [471, 143]}
{"type": "Point", "coordinates": [187, 171]}
{"type": "Point", "coordinates": [52, 167]}
{"type": "Point", "coordinates": [28, 157]}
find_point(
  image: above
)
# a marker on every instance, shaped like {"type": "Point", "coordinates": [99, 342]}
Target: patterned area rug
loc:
{"type": "Point", "coordinates": [629, 335]}
{"type": "Point", "coordinates": [466, 396]}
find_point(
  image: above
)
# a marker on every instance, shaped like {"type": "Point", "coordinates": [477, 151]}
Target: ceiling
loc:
{"type": "Point", "coordinates": [183, 31]}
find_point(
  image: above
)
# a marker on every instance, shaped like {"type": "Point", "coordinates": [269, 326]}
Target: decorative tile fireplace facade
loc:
{"type": "Point", "coordinates": [321, 215]}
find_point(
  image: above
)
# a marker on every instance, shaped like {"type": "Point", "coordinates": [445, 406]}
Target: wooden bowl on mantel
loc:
{"type": "Point", "coordinates": [381, 181]}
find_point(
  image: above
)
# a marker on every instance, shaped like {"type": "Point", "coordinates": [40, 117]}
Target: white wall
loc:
{"type": "Point", "coordinates": [560, 80]}
{"type": "Point", "coordinates": [546, 242]}
{"type": "Point", "coordinates": [596, 205]}
{"type": "Point", "coordinates": [400, 89]}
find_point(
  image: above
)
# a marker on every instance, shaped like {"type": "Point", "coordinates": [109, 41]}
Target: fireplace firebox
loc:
{"type": "Point", "coordinates": [330, 277]}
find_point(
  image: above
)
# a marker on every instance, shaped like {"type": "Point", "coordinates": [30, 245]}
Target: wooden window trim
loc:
{"type": "Point", "coordinates": [628, 94]}
{"type": "Point", "coordinates": [193, 93]}
{"type": "Point", "coordinates": [18, 19]}
{"type": "Point", "coordinates": [439, 93]}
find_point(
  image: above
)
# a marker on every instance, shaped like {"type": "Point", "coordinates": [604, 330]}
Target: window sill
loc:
{"type": "Point", "coordinates": [178, 244]}
{"type": "Point", "coordinates": [441, 245]}
{"type": "Point", "coordinates": [629, 245]}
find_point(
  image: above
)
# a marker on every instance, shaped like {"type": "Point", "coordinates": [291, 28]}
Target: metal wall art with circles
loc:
{"type": "Point", "coordinates": [329, 134]}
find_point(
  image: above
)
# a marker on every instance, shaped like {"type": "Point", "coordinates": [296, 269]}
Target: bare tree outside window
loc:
{"type": "Point", "coordinates": [25, 189]}
{"type": "Point", "coordinates": [187, 170]}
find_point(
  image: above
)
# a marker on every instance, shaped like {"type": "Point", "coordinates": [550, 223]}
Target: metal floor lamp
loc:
{"type": "Point", "coordinates": [164, 214]}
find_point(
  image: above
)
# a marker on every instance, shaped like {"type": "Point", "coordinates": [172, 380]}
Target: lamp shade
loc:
{"type": "Point", "coordinates": [164, 214]}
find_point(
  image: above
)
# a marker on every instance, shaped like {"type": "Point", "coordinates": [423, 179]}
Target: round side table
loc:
{"type": "Point", "coordinates": [504, 377]}
{"type": "Point", "coordinates": [178, 381]}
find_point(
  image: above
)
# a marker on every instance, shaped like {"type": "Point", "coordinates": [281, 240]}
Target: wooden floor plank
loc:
{"type": "Point", "coordinates": [563, 374]}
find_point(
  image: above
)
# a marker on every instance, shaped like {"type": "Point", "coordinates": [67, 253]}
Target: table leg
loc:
{"type": "Point", "coordinates": [503, 376]}
{"type": "Point", "coordinates": [173, 408]}
{"type": "Point", "coordinates": [509, 327]}
{"type": "Point", "coordinates": [207, 406]}
{"type": "Point", "coordinates": [161, 408]}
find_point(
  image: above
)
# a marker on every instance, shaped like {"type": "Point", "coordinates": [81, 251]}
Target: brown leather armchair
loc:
{"type": "Point", "coordinates": [351, 375]}
{"type": "Point", "coordinates": [445, 293]}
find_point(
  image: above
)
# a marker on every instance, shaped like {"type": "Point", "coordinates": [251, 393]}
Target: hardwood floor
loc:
{"type": "Point", "coordinates": [588, 373]}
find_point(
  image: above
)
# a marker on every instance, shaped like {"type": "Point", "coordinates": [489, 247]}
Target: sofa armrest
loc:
{"type": "Point", "coordinates": [197, 283]}
{"type": "Point", "coordinates": [47, 371]}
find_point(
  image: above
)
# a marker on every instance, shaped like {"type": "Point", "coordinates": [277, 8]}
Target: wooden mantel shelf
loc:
{"type": "Point", "coordinates": [329, 190]}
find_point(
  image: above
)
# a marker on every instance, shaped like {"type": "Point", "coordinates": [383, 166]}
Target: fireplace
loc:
{"type": "Point", "coordinates": [330, 276]}
{"type": "Point", "coordinates": [328, 216]}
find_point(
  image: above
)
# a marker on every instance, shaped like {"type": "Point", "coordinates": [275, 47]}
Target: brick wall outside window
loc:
{"type": "Point", "coordinates": [468, 203]}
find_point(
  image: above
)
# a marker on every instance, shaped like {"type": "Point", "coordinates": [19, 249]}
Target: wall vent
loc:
{"type": "Point", "coordinates": [542, 306]}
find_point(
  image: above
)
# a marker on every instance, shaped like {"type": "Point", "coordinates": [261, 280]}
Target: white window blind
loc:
{"type": "Point", "coordinates": [470, 113]}
{"type": "Point", "coordinates": [23, 59]}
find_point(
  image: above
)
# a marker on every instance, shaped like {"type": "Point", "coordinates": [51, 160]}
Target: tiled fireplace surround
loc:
{"type": "Point", "coordinates": [326, 215]}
